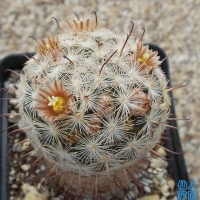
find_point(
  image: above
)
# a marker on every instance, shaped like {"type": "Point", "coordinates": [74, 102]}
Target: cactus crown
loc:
{"type": "Point", "coordinates": [93, 102]}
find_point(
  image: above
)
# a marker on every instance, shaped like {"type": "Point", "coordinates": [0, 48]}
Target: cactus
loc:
{"type": "Point", "coordinates": [94, 105]}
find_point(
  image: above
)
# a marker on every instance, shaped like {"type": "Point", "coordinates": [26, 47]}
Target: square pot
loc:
{"type": "Point", "coordinates": [176, 168]}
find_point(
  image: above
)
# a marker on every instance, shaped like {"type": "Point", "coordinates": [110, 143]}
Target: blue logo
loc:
{"type": "Point", "coordinates": [187, 192]}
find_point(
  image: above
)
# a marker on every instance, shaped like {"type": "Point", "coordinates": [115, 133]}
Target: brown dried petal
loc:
{"type": "Point", "coordinates": [106, 105]}
{"type": "Point", "coordinates": [143, 104]}
{"type": "Point", "coordinates": [94, 125]}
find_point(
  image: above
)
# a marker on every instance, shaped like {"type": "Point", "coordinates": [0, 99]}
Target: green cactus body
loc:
{"type": "Point", "coordinates": [93, 104]}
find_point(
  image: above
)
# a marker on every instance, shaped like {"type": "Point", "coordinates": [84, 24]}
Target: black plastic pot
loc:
{"type": "Point", "coordinates": [176, 168]}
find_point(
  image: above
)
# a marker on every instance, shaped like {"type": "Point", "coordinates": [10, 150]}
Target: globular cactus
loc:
{"type": "Point", "coordinates": [93, 104]}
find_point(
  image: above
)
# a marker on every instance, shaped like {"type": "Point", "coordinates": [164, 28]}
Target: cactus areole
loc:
{"type": "Point", "coordinates": [94, 105]}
